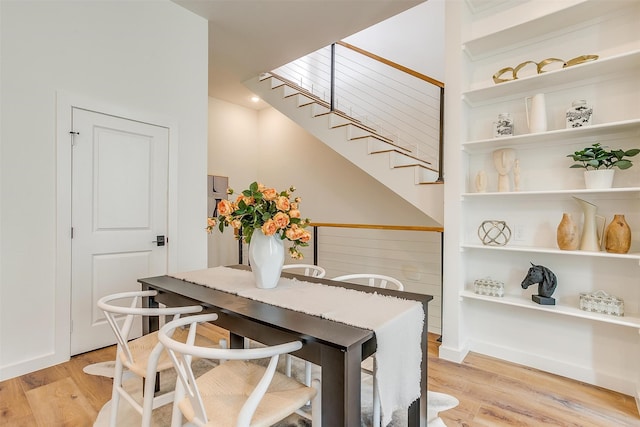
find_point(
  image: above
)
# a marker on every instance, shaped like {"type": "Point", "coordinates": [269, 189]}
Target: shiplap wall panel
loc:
{"type": "Point", "coordinates": [413, 257]}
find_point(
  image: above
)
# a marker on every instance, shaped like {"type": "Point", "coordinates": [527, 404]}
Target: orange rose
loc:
{"type": "Point", "coordinates": [281, 219]}
{"type": "Point", "coordinates": [236, 224]}
{"type": "Point", "coordinates": [295, 232]}
{"type": "Point", "coordinates": [225, 207]}
{"type": "Point", "coordinates": [305, 237]}
{"type": "Point", "coordinates": [282, 203]}
{"type": "Point", "coordinates": [294, 213]}
{"type": "Point", "coordinates": [247, 200]}
{"type": "Point", "coordinates": [269, 228]}
{"type": "Point", "coordinates": [269, 194]}
{"type": "Point", "coordinates": [211, 222]}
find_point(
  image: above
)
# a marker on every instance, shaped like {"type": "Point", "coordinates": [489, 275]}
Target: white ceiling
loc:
{"type": "Point", "coordinates": [247, 37]}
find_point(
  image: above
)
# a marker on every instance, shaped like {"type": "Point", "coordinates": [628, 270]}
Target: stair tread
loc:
{"type": "Point", "coordinates": [313, 96]}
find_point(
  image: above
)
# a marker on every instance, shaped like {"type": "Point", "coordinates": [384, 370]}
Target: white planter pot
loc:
{"type": "Point", "coordinates": [600, 178]}
{"type": "Point", "coordinates": [266, 256]}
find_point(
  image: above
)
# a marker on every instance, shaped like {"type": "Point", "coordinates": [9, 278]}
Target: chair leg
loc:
{"type": "Point", "coordinates": [115, 394]}
{"type": "Point", "coordinates": [376, 397]}
{"type": "Point", "coordinates": [176, 414]}
{"type": "Point", "coordinates": [287, 365]}
{"type": "Point", "coordinates": [147, 404]}
{"type": "Point", "coordinates": [307, 374]}
{"type": "Point", "coordinates": [316, 404]}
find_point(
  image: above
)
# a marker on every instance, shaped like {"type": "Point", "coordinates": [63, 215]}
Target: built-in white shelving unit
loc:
{"type": "Point", "coordinates": [596, 348]}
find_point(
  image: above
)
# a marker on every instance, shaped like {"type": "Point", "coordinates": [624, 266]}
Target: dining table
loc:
{"type": "Point", "coordinates": [337, 347]}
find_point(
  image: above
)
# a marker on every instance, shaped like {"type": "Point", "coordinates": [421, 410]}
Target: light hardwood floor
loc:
{"type": "Point", "coordinates": [491, 393]}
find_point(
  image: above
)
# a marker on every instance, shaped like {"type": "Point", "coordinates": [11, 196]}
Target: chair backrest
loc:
{"type": "Point", "coordinates": [375, 280]}
{"type": "Point", "coordinates": [132, 311]}
{"type": "Point", "coordinates": [308, 269]}
{"type": "Point", "coordinates": [182, 353]}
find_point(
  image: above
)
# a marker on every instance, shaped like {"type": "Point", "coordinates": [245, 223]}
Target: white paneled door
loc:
{"type": "Point", "coordinates": [119, 208]}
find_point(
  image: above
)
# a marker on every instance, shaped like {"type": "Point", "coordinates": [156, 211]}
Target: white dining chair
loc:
{"type": "Point", "coordinates": [309, 270]}
{"type": "Point", "coordinates": [143, 356]}
{"type": "Point", "coordinates": [238, 392]}
{"type": "Point", "coordinates": [368, 366]}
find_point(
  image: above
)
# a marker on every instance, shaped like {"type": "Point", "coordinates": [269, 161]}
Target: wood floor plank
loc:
{"type": "Point", "coordinates": [14, 405]}
{"type": "Point", "coordinates": [43, 377]}
{"type": "Point", "coordinates": [61, 403]}
{"type": "Point", "coordinates": [97, 389]}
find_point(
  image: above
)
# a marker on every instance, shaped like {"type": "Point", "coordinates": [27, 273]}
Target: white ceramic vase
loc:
{"type": "Point", "coordinates": [537, 113]}
{"type": "Point", "coordinates": [599, 178]}
{"type": "Point", "coordinates": [266, 257]}
{"type": "Point", "coordinates": [589, 241]}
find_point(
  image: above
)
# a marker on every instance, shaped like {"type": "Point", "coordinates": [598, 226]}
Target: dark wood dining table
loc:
{"type": "Point", "coordinates": [336, 347]}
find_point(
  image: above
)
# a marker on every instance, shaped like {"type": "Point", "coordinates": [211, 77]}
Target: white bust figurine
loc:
{"type": "Point", "coordinates": [503, 160]}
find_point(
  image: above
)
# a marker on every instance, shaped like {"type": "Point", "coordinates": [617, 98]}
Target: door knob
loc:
{"type": "Point", "coordinates": [160, 240]}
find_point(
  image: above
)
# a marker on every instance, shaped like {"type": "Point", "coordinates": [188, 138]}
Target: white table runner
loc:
{"type": "Point", "coordinates": [397, 323]}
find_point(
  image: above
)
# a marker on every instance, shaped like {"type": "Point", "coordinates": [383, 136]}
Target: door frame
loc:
{"type": "Point", "coordinates": [65, 102]}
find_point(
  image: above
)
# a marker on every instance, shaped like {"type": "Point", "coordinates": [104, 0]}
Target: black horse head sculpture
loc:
{"type": "Point", "coordinates": [545, 278]}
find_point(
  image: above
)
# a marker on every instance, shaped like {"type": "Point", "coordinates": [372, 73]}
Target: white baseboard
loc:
{"type": "Point", "coordinates": [451, 354]}
{"type": "Point", "coordinates": [26, 366]}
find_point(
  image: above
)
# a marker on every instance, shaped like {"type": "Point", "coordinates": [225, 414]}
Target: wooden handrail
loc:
{"type": "Point", "coordinates": [392, 64]}
{"type": "Point", "coordinates": [379, 227]}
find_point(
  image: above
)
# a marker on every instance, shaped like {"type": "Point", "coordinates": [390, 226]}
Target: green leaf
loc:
{"type": "Point", "coordinates": [623, 164]}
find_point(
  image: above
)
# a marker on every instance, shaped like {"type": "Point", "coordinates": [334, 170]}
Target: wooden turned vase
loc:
{"type": "Point", "coordinates": [567, 235]}
{"type": "Point", "coordinates": [618, 236]}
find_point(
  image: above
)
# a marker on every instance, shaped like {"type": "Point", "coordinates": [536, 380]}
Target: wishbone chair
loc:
{"type": "Point", "coordinates": [237, 392]}
{"type": "Point", "coordinates": [143, 356]}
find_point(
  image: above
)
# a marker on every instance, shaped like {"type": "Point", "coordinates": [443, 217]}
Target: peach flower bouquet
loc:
{"type": "Point", "coordinates": [264, 208]}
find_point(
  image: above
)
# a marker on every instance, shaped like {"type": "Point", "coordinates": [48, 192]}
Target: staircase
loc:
{"type": "Point", "coordinates": [387, 161]}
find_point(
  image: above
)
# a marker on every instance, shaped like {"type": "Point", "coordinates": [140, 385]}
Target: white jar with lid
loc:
{"type": "Point", "coordinates": [579, 115]}
{"type": "Point", "coordinates": [504, 125]}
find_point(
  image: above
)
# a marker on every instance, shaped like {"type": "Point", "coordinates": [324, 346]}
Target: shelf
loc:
{"type": "Point", "coordinates": [523, 33]}
{"type": "Point", "coordinates": [601, 194]}
{"type": "Point", "coordinates": [629, 319]}
{"type": "Point", "coordinates": [600, 69]}
{"type": "Point", "coordinates": [555, 137]}
{"type": "Point", "coordinates": [553, 251]}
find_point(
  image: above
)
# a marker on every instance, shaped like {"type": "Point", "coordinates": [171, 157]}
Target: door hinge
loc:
{"type": "Point", "coordinates": [73, 140]}
{"type": "Point", "coordinates": [72, 232]}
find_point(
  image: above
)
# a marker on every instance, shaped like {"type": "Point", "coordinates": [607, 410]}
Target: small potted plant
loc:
{"type": "Point", "coordinates": [599, 162]}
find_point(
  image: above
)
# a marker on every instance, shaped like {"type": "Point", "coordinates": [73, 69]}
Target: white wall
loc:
{"type": "Point", "coordinates": [234, 153]}
{"type": "Point", "coordinates": [148, 57]}
{"type": "Point", "coordinates": [413, 38]}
